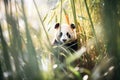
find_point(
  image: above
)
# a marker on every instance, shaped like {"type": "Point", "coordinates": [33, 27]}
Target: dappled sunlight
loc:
{"type": "Point", "coordinates": [28, 34]}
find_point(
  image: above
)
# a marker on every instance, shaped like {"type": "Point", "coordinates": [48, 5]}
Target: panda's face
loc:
{"type": "Point", "coordinates": [65, 33]}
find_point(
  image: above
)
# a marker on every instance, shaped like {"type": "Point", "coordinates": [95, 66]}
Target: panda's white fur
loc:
{"type": "Point", "coordinates": [65, 34]}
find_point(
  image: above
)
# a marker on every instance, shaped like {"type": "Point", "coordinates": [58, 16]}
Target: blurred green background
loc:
{"type": "Point", "coordinates": [27, 32]}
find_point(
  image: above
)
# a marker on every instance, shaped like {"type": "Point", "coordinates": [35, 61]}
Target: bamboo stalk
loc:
{"type": "Point", "coordinates": [92, 26]}
{"type": "Point", "coordinates": [42, 22]}
{"type": "Point", "coordinates": [33, 69]}
{"type": "Point", "coordinates": [75, 21]}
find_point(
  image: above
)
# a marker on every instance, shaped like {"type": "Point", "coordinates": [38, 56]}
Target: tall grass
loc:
{"type": "Point", "coordinates": [93, 30]}
{"type": "Point", "coordinates": [22, 59]}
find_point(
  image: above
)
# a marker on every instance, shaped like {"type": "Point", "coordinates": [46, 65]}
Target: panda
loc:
{"type": "Point", "coordinates": [66, 36]}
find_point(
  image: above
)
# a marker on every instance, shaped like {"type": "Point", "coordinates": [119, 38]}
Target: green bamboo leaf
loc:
{"type": "Point", "coordinates": [75, 72]}
{"type": "Point", "coordinates": [51, 18]}
{"type": "Point", "coordinates": [82, 18]}
{"type": "Point", "coordinates": [45, 17]}
{"type": "Point", "coordinates": [75, 56]}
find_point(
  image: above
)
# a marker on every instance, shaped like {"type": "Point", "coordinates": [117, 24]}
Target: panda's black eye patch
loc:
{"type": "Point", "coordinates": [69, 36]}
{"type": "Point", "coordinates": [60, 34]}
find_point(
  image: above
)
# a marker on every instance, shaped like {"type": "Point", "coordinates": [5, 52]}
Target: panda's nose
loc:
{"type": "Point", "coordinates": [64, 40]}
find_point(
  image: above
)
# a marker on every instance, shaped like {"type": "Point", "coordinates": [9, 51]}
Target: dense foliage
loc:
{"type": "Point", "coordinates": [26, 52]}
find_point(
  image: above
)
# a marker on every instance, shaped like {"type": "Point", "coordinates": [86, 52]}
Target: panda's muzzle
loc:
{"type": "Point", "coordinates": [64, 40]}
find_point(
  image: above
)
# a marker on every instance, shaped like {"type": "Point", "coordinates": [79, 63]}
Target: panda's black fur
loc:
{"type": "Point", "coordinates": [71, 45]}
{"type": "Point", "coordinates": [68, 37]}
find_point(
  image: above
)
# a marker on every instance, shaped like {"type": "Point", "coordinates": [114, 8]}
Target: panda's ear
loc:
{"type": "Point", "coordinates": [57, 25]}
{"type": "Point", "coordinates": [72, 26]}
